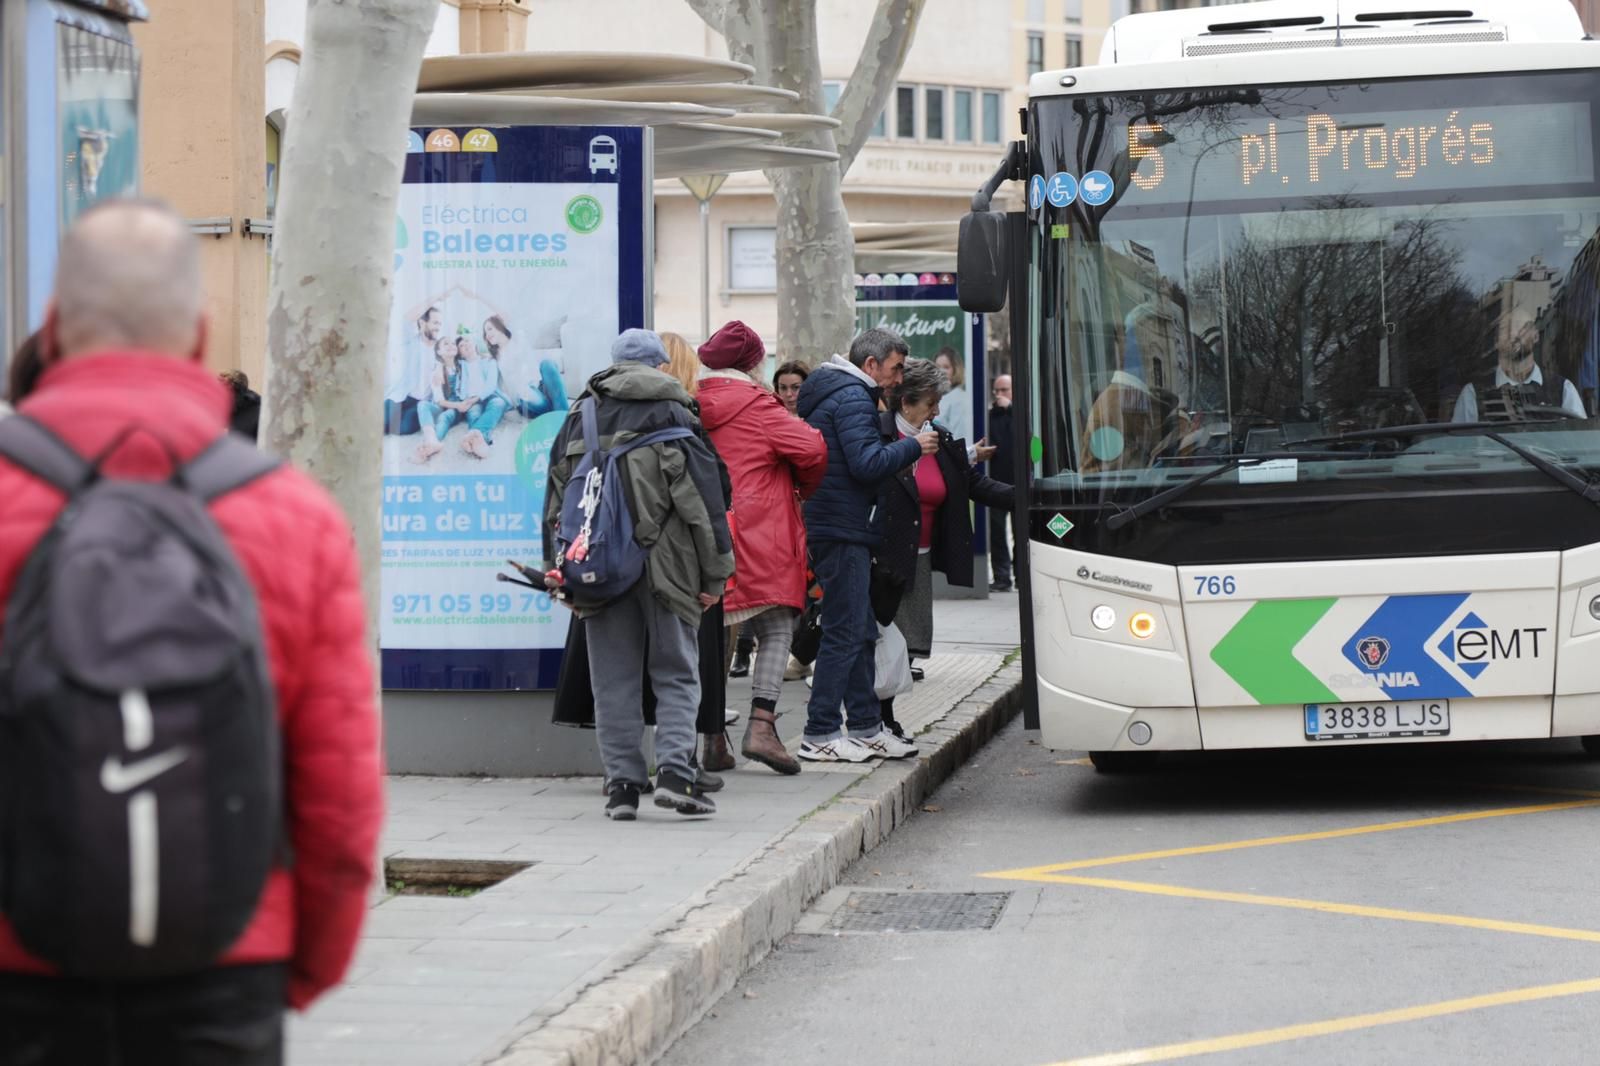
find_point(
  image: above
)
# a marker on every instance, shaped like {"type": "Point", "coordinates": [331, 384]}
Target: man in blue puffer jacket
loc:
{"type": "Point", "coordinates": [840, 399]}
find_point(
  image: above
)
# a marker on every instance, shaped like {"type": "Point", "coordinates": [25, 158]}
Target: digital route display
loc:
{"type": "Point", "coordinates": [1510, 147]}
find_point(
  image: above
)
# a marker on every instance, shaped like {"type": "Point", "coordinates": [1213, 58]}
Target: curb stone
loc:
{"type": "Point", "coordinates": [632, 1016]}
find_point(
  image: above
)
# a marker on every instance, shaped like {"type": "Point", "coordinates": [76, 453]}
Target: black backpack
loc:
{"type": "Point", "coordinates": [141, 783]}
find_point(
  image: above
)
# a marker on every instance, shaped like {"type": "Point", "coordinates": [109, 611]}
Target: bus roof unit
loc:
{"type": "Point", "coordinates": [1296, 25]}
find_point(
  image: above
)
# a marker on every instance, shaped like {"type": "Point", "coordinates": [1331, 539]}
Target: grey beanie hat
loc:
{"type": "Point", "coordinates": [639, 346]}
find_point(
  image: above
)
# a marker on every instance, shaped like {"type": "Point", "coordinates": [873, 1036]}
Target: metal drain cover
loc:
{"type": "Point", "coordinates": [918, 912]}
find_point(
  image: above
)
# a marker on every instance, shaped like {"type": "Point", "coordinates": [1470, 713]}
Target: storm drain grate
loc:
{"type": "Point", "coordinates": [918, 912]}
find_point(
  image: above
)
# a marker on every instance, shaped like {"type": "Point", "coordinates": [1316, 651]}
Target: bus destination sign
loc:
{"type": "Point", "coordinates": [1506, 147]}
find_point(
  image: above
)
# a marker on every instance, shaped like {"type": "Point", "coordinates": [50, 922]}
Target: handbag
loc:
{"type": "Point", "coordinates": [892, 663]}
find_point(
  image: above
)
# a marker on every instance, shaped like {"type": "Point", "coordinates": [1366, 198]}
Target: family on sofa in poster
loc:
{"type": "Point", "coordinates": [453, 382]}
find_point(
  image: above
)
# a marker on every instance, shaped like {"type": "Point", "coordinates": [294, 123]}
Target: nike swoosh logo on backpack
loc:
{"type": "Point", "coordinates": [117, 778]}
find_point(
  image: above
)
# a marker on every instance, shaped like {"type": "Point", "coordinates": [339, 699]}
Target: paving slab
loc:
{"type": "Point", "coordinates": [609, 916]}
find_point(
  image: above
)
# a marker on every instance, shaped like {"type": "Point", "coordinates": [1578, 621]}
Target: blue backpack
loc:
{"type": "Point", "coordinates": [595, 551]}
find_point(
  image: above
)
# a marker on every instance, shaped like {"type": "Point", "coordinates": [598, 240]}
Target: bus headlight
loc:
{"type": "Point", "coordinates": [1103, 617]}
{"type": "Point", "coordinates": [1142, 625]}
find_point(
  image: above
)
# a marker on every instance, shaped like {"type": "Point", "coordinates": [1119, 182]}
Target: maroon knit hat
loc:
{"type": "Point", "coordinates": [734, 346]}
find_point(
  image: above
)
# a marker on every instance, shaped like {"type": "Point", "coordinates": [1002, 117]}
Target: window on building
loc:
{"type": "Point", "coordinates": [961, 115]}
{"type": "Point", "coordinates": [880, 128]}
{"type": "Point", "coordinates": [933, 113]}
{"type": "Point", "coordinates": [905, 112]}
{"type": "Point", "coordinates": [1035, 53]}
{"type": "Point", "coordinates": [830, 95]}
{"type": "Point", "coordinates": [1074, 51]}
{"type": "Point", "coordinates": [1073, 12]}
{"type": "Point", "coordinates": [1035, 11]}
{"type": "Point", "coordinates": [991, 118]}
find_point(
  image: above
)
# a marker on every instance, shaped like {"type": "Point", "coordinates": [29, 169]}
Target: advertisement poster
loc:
{"type": "Point", "coordinates": [97, 93]}
{"type": "Point", "coordinates": [518, 259]}
{"type": "Point", "coordinates": [923, 309]}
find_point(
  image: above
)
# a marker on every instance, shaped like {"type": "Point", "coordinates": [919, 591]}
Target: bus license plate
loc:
{"type": "Point", "coordinates": [1361, 721]}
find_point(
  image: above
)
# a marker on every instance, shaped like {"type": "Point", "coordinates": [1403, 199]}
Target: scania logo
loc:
{"type": "Point", "coordinates": [1374, 652]}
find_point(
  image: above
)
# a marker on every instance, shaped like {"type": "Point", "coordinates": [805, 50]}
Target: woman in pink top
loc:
{"type": "Point", "coordinates": [926, 514]}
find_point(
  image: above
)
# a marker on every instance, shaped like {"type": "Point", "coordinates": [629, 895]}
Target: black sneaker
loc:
{"type": "Point", "coordinates": [623, 802]}
{"type": "Point", "coordinates": [916, 673]}
{"type": "Point", "coordinates": [999, 586]}
{"type": "Point", "coordinates": [685, 797]}
{"type": "Point", "coordinates": [741, 665]}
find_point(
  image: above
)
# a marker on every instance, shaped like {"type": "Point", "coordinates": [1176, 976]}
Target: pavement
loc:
{"type": "Point", "coordinates": [1381, 906]}
{"type": "Point", "coordinates": [616, 937]}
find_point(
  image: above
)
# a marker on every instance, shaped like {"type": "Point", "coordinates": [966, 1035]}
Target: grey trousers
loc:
{"type": "Point", "coordinates": [627, 637]}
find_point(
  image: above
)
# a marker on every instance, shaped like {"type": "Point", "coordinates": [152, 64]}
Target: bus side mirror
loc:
{"type": "Point", "coordinates": [982, 275]}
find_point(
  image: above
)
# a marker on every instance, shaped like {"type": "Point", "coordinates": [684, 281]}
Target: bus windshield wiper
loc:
{"type": "Point", "coordinates": [1183, 488]}
{"type": "Point", "coordinates": [1585, 487]}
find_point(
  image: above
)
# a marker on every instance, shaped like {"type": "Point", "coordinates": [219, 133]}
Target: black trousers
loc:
{"type": "Point", "coordinates": [227, 1016]}
{"type": "Point", "coordinates": [999, 550]}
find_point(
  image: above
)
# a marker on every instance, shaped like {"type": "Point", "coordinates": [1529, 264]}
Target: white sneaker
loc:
{"type": "Point", "coordinates": [845, 749]}
{"type": "Point", "coordinates": [729, 716]}
{"type": "Point", "coordinates": [885, 745]}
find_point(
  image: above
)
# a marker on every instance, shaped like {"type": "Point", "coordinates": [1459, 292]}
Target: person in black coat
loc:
{"type": "Point", "coordinates": [926, 515]}
{"type": "Point", "coordinates": [1001, 468]}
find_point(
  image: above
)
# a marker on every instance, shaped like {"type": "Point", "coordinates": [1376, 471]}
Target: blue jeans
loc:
{"type": "Point", "coordinates": [845, 664]}
{"type": "Point", "coordinates": [549, 395]}
{"type": "Point", "coordinates": [486, 415]}
{"type": "Point", "coordinates": [440, 418]}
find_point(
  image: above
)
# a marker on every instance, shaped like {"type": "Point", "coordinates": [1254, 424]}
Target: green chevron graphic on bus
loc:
{"type": "Point", "coordinates": [1258, 652]}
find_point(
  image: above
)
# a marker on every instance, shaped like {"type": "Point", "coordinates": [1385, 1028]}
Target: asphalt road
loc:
{"type": "Point", "coordinates": [1334, 937]}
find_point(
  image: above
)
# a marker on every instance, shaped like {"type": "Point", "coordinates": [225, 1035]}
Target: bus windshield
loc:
{"type": "Point", "coordinates": [1285, 271]}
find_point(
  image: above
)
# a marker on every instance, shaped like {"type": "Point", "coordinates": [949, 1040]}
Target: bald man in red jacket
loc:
{"type": "Point", "coordinates": [123, 346]}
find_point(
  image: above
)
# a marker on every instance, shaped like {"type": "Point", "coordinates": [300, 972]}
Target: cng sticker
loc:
{"type": "Point", "coordinates": [1059, 526]}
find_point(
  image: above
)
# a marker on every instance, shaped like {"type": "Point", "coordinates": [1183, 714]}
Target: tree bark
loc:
{"type": "Point", "coordinates": [894, 26]}
{"type": "Point", "coordinates": [815, 251]}
{"type": "Point", "coordinates": [333, 253]}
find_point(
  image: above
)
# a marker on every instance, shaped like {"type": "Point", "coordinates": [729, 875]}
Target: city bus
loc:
{"type": "Point", "coordinates": [1305, 296]}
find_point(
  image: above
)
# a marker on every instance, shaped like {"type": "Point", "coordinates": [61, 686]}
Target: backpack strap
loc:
{"type": "Point", "coordinates": [30, 445]}
{"type": "Point", "coordinates": [591, 424]}
{"type": "Point", "coordinates": [229, 463]}
{"type": "Point", "coordinates": [660, 436]}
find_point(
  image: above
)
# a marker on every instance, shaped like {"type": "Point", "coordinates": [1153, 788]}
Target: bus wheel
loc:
{"type": "Point", "coordinates": [1591, 745]}
{"type": "Point", "coordinates": [1123, 762]}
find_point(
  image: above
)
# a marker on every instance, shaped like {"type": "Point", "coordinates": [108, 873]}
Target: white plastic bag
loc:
{"type": "Point", "coordinates": [892, 663]}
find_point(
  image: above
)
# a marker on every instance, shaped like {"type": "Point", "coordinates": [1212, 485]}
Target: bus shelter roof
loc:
{"type": "Point", "coordinates": [442, 109]}
{"type": "Point", "coordinates": [883, 247]}
{"type": "Point", "coordinates": [686, 162]}
{"type": "Point", "coordinates": [492, 71]}
{"type": "Point", "coordinates": [709, 135]}
{"type": "Point", "coordinates": [717, 95]}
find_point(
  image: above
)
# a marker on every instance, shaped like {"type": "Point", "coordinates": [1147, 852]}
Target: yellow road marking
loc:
{"type": "Point", "coordinates": [1074, 762]}
{"type": "Point", "coordinates": [1043, 873]}
{"type": "Point", "coordinates": [1283, 1034]}
{"type": "Point", "coordinates": [1151, 888]}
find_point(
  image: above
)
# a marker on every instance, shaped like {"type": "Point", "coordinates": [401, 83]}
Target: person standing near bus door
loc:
{"type": "Point", "coordinates": [840, 400]}
{"type": "Point", "coordinates": [1001, 468]}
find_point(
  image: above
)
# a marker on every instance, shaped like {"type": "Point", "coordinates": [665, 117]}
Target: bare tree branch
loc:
{"type": "Point", "coordinates": [893, 28]}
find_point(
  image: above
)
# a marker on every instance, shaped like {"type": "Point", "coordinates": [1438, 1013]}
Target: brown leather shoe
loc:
{"type": "Point", "coordinates": [761, 743]}
{"type": "Point", "coordinates": [715, 754]}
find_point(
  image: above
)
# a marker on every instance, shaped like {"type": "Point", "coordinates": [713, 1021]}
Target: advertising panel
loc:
{"type": "Point", "coordinates": [519, 256]}
{"type": "Point", "coordinates": [923, 309]}
{"type": "Point", "coordinates": [97, 101]}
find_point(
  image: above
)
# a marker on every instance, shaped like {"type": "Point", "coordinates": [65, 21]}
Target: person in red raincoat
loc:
{"type": "Point", "coordinates": [775, 461]}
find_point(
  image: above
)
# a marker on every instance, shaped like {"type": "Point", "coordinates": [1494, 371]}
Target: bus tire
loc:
{"type": "Point", "coordinates": [1591, 745]}
{"type": "Point", "coordinates": [1121, 762]}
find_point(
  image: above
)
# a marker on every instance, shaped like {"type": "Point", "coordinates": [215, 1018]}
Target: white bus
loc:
{"type": "Point", "coordinates": [1309, 297]}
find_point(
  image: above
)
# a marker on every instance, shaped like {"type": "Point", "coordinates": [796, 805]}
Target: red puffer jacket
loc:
{"type": "Point", "coordinates": [770, 455]}
{"type": "Point", "coordinates": [296, 548]}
